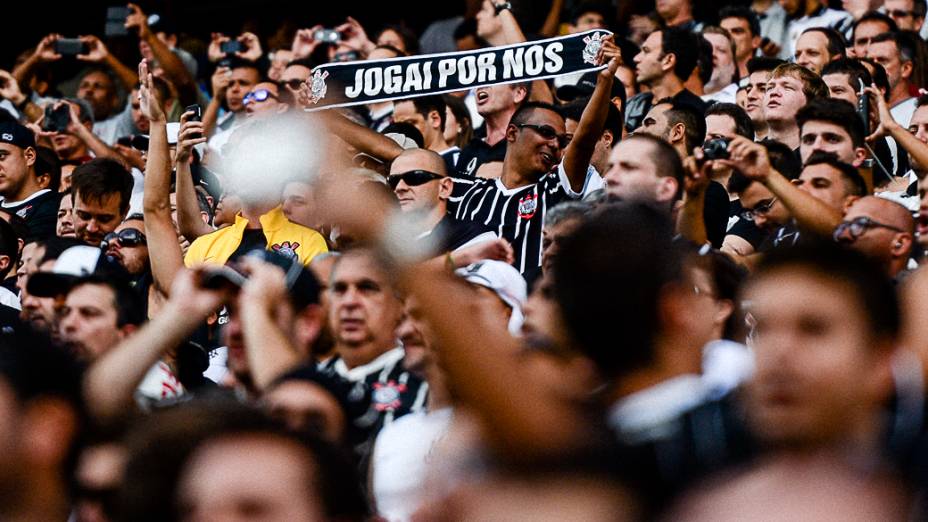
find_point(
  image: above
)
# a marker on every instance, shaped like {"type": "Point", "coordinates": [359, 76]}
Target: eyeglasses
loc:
{"type": "Point", "coordinates": [899, 13]}
{"type": "Point", "coordinates": [858, 226]}
{"type": "Point", "coordinates": [547, 132]}
{"type": "Point", "coordinates": [127, 237]}
{"type": "Point", "coordinates": [293, 84]}
{"type": "Point", "coordinates": [759, 210]}
{"type": "Point", "coordinates": [413, 178]}
{"type": "Point", "coordinates": [259, 95]}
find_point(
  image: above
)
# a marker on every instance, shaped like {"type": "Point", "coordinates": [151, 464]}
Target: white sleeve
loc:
{"type": "Point", "coordinates": [592, 182]}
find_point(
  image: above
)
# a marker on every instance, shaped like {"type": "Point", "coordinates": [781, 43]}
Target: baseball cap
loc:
{"type": "Point", "coordinates": [16, 134]}
{"type": "Point", "coordinates": [74, 265]}
{"type": "Point", "coordinates": [585, 87]}
{"type": "Point", "coordinates": [302, 285]}
{"type": "Point", "coordinates": [502, 279]}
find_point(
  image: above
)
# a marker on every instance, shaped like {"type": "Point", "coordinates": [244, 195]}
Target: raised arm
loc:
{"type": "Point", "coordinates": [579, 152]}
{"type": "Point", "coordinates": [264, 308]}
{"type": "Point", "coordinates": [85, 134]}
{"type": "Point", "coordinates": [156, 201]}
{"type": "Point", "coordinates": [553, 20]}
{"type": "Point", "coordinates": [97, 53]}
{"type": "Point", "coordinates": [810, 213]}
{"type": "Point", "coordinates": [359, 136]}
{"type": "Point", "coordinates": [690, 221]}
{"type": "Point", "coordinates": [111, 381]}
{"type": "Point", "coordinates": [173, 67]}
{"type": "Point", "coordinates": [220, 83]}
{"type": "Point", "coordinates": [44, 53]}
{"type": "Point", "coordinates": [888, 126]}
{"type": "Point", "coordinates": [189, 223]}
{"type": "Point", "coordinates": [10, 89]}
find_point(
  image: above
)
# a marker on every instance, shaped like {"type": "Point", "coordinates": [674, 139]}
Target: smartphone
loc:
{"type": "Point", "coordinates": [197, 112]}
{"type": "Point", "coordinates": [863, 107]}
{"type": "Point", "coordinates": [57, 118]}
{"type": "Point", "coordinates": [70, 46]}
{"type": "Point", "coordinates": [116, 21]}
{"type": "Point", "coordinates": [327, 36]}
{"type": "Point", "coordinates": [215, 278]}
{"type": "Point", "coordinates": [231, 47]}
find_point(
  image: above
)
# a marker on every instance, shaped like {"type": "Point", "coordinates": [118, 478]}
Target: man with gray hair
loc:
{"type": "Point", "coordinates": [560, 222]}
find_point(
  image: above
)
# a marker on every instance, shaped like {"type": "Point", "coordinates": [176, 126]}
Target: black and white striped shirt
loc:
{"type": "Point", "coordinates": [517, 214]}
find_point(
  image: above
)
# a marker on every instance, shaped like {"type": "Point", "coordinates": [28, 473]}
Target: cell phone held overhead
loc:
{"type": "Point", "coordinates": [231, 47]}
{"type": "Point", "coordinates": [70, 47]}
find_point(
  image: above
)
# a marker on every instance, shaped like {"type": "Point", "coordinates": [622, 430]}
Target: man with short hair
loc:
{"type": "Point", "coordinates": [790, 87]}
{"type": "Point", "coordinates": [844, 77]}
{"type": "Point", "coordinates": [821, 389]}
{"type": "Point", "coordinates": [101, 190]}
{"type": "Point", "coordinates": [678, 13]}
{"type": "Point", "coordinates": [744, 28]}
{"type": "Point", "coordinates": [881, 229]}
{"type": "Point", "coordinates": [644, 168]}
{"type": "Point", "coordinates": [496, 104]}
{"type": "Point", "coordinates": [40, 400]}
{"type": "Point", "coordinates": [831, 180]}
{"type": "Point", "coordinates": [364, 312]}
{"type": "Point", "coordinates": [896, 53]}
{"type": "Point", "coordinates": [265, 99]}
{"type": "Point", "coordinates": [21, 183]}
{"type": "Point", "coordinates": [909, 15]}
{"type": "Point", "coordinates": [724, 121]}
{"type": "Point", "coordinates": [866, 27]}
{"type": "Point", "coordinates": [230, 85]}
{"type": "Point", "coordinates": [803, 14]}
{"type": "Point", "coordinates": [676, 123]}
{"type": "Point", "coordinates": [667, 59]}
{"type": "Point", "coordinates": [427, 114]}
{"type": "Point", "coordinates": [831, 125]}
{"type": "Point", "coordinates": [760, 69]}
{"type": "Point", "coordinates": [817, 46]}
{"type": "Point", "coordinates": [723, 83]}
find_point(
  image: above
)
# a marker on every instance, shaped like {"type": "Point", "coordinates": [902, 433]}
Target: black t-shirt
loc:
{"type": "Point", "coordinates": [454, 233]}
{"type": "Point", "coordinates": [40, 212]}
{"type": "Point", "coordinates": [451, 159]}
{"type": "Point", "coordinates": [785, 236]}
{"type": "Point", "coordinates": [475, 154]}
{"type": "Point", "coordinates": [744, 228]}
{"type": "Point", "coordinates": [715, 213]}
{"type": "Point", "coordinates": [252, 239]}
{"type": "Point", "coordinates": [515, 214]}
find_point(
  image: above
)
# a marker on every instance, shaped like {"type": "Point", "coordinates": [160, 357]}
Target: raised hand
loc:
{"type": "Point", "coordinates": [96, 50]}
{"type": "Point", "coordinates": [214, 52]}
{"type": "Point", "coordinates": [220, 81]}
{"type": "Point", "coordinates": [304, 43]}
{"type": "Point", "coordinates": [9, 88]}
{"type": "Point", "coordinates": [884, 118]}
{"type": "Point", "coordinates": [188, 293]}
{"type": "Point", "coordinates": [138, 20]}
{"type": "Point", "coordinates": [498, 250]}
{"type": "Point", "coordinates": [697, 173]}
{"type": "Point", "coordinates": [45, 51]}
{"type": "Point", "coordinates": [191, 134]}
{"type": "Point", "coordinates": [749, 158]}
{"type": "Point", "coordinates": [610, 54]}
{"type": "Point", "coordinates": [252, 46]}
{"type": "Point", "coordinates": [354, 36]}
{"type": "Point", "coordinates": [149, 103]}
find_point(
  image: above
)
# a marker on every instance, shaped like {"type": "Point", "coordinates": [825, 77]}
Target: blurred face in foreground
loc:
{"type": "Point", "coordinates": [819, 371]}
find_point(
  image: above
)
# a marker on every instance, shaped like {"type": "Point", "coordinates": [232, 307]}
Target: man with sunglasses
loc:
{"type": "Point", "coordinates": [264, 99]}
{"type": "Point", "coordinates": [881, 229]}
{"type": "Point", "coordinates": [909, 15]}
{"type": "Point", "coordinates": [420, 181]}
{"type": "Point", "coordinates": [128, 245]}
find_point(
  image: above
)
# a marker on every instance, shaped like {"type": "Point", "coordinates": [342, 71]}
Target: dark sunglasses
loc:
{"type": "Point", "coordinates": [547, 132]}
{"type": "Point", "coordinates": [859, 226]}
{"type": "Point", "coordinates": [413, 178]}
{"type": "Point", "coordinates": [127, 237]}
{"type": "Point", "coordinates": [293, 84]}
{"type": "Point", "coordinates": [259, 95]}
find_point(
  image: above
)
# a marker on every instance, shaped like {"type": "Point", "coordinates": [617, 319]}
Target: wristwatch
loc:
{"type": "Point", "coordinates": [502, 6]}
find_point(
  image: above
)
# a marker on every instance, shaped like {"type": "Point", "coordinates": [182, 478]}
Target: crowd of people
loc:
{"type": "Point", "coordinates": [685, 285]}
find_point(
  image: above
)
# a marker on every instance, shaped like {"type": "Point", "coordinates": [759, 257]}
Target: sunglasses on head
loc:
{"type": "Point", "coordinates": [127, 237]}
{"type": "Point", "coordinates": [547, 132]}
{"type": "Point", "coordinates": [413, 178]}
{"type": "Point", "coordinates": [293, 84]}
{"type": "Point", "coordinates": [259, 95]}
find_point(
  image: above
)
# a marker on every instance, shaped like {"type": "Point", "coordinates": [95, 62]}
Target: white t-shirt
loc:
{"type": "Point", "coordinates": [116, 126]}
{"type": "Point", "coordinates": [838, 20]}
{"type": "Point", "coordinates": [902, 112]}
{"type": "Point", "coordinates": [401, 460]}
{"type": "Point", "coordinates": [726, 95]}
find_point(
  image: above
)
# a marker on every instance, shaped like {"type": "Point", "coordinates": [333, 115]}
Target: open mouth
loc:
{"type": "Point", "coordinates": [922, 222]}
{"type": "Point", "coordinates": [548, 158]}
{"type": "Point", "coordinates": [482, 97]}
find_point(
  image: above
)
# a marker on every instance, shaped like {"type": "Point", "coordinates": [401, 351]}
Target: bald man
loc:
{"type": "Point", "coordinates": [419, 178]}
{"type": "Point", "coordinates": [881, 229]}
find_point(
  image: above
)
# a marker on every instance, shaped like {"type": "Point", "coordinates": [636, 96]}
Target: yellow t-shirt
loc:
{"type": "Point", "coordinates": [283, 236]}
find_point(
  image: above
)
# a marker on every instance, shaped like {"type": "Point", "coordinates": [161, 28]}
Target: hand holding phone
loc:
{"type": "Point", "coordinates": [57, 117]}
{"type": "Point", "coordinates": [231, 47]}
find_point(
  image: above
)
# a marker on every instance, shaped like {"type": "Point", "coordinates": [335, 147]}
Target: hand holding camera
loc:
{"type": "Point", "coordinates": [95, 52]}
{"type": "Point", "coordinates": [46, 50]}
{"type": "Point", "coordinates": [353, 36]}
{"type": "Point", "coordinates": [190, 134]}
